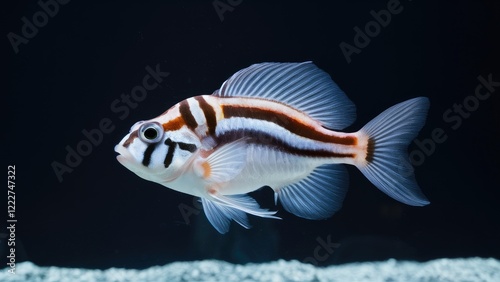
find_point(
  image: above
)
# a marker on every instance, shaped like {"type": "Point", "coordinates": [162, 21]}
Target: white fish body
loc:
{"type": "Point", "coordinates": [271, 124]}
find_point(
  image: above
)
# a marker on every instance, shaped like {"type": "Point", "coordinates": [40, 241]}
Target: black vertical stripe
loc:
{"type": "Point", "coordinates": [209, 113]}
{"type": "Point", "coordinates": [170, 153]}
{"type": "Point", "coordinates": [187, 115]}
{"type": "Point", "coordinates": [370, 149]}
{"type": "Point", "coordinates": [147, 154]}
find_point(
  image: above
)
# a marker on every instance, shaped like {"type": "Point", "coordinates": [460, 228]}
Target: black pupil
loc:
{"type": "Point", "coordinates": [150, 133]}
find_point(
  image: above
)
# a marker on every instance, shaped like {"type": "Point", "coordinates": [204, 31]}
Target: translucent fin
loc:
{"type": "Point", "coordinates": [220, 215]}
{"type": "Point", "coordinates": [224, 163]}
{"type": "Point", "coordinates": [390, 134]}
{"type": "Point", "coordinates": [244, 203]}
{"type": "Point", "coordinates": [221, 209]}
{"type": "Point", "coordinates": [319, 195]}
{"type": "Point", "coordinates": [302, 86]}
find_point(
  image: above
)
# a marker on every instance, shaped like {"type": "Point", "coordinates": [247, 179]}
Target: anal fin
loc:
{"type": "Point", "coordinates": [319, 195]}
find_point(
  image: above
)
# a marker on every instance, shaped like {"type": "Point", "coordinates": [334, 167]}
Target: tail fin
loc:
{"type": "Point", "coordinates": [389, 135]}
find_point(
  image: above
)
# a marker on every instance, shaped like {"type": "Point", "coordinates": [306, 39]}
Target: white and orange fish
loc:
{"type": "Point", "coordinates": [276, 125]}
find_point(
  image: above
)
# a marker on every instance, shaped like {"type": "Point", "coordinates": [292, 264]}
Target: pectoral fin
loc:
{"type": "Point", "coordinates": [224, 163]}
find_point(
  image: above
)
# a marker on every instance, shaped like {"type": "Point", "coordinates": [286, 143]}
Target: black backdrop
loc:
{"type": "Point", "coordinates": [81, 59]}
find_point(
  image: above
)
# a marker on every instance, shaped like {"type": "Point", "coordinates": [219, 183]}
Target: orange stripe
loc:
{"type": "Point", "coordinates": [291, 124]}
{"type": "Point", "coordinates": [174, 124]}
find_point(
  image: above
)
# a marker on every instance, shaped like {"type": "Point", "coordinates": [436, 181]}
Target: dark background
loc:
{"type": "Point", "coordinates": [101, 215]}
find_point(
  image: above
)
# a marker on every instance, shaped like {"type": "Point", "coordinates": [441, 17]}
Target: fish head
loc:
{"type": "Point", "coordinates": [156, 154]}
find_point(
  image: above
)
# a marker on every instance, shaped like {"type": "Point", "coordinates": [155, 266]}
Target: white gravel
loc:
{"type": "Point", "coordinates": [470, 269]}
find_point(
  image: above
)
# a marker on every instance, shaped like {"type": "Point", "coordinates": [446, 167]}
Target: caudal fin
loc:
{"type": "Point", "coordinates": [387, 163]}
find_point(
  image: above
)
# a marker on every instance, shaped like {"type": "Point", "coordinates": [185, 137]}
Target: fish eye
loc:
{"type": "Point", "coordinates": [151, 132]}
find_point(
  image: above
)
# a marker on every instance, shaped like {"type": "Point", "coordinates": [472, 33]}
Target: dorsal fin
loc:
{"type": "Point", "coordinates": [302, 86]}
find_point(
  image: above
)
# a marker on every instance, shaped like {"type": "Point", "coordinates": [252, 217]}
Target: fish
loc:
{"type": "Point", "coordinates": [276, 125]}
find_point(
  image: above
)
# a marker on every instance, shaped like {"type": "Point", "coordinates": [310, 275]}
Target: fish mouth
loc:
{"type": "Point", "coordinates": [123, 155]}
